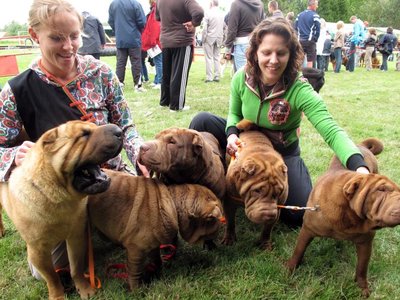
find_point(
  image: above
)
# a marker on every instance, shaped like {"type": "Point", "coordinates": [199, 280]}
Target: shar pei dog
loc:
{"type": "Point", "coordinates": [143, 213]}
{"type": "Point", "coordinates": [46, 195]}
{"type": "Point", "coordinates": [180, 155]}
{"type": "Point", "coordinates": [352, 207]}
{"type": "Point", "coordinates": [256, 179]}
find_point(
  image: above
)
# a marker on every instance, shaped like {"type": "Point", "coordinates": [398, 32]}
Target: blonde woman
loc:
{"type": "Point", "coordinates": [370, 47]}
{"type": "Point", "coordinates": [338, 43]}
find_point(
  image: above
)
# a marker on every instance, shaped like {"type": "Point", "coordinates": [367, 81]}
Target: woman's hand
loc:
{"type": "Point", "coordinates": [143, 169]}
{"type": "Point", "coordinates": [232, 145]}
{"type": "Point", "coordinates": [362, 170]}
{"type": "Point", "coordinates": [22, 151]}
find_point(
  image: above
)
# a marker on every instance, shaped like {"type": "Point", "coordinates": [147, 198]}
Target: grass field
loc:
{"type": "Point", "coordinates": [365, 104]}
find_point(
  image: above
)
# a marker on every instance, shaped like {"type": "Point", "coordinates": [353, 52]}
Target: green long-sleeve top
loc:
{"type": "Point", "coordinates": [280, 111]}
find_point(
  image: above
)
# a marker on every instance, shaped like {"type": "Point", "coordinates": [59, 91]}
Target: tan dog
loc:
{"type": "Point", "coordinates": [142, 213]}
{"type": "Point", "coordinates": [181, 155]}
{"type": "Point", "coordinates": [352, 207]}
{"type": "Point", "coordinates": [46, 196]}
{"type": "Point", "coordinates": [257, 179]}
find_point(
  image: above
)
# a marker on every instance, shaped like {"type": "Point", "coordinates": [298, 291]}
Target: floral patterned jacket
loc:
{"type": "Point", "coordinates": [97, 91]}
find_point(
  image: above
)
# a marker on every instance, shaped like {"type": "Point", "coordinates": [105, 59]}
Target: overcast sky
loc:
{"type": "Point", "coordinates": [18, 9]}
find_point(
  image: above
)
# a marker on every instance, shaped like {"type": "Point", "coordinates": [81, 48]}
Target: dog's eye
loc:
{"type": "Point", "coordinates": [85, 133]}
{"type": "Point", "coordinates": [256, 192]}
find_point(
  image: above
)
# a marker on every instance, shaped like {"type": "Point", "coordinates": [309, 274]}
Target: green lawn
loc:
{"type": "Point", "coordinates": [365, 104]}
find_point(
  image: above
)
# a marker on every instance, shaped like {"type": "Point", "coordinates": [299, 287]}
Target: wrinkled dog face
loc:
{"type": "Point", "coordinates": [173, 148]}
{"type": "Point", "coordinates": [262, 185]}
{"type": "Point", "coordinates": [77, 148]}
{"type": "Point", "coordinates": [375, 197]}
{"type": "Point", "coordinates": [204, 217]}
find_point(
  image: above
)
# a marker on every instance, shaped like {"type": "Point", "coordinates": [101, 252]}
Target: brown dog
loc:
{"type": "Point", "coordinates": [46, 196]}
{"type": "Point", "coordinates": [143, 213]}
{"type": "Point", "coordinates": [181, 155]}
{"type": "Point", "coordinates": [352, 207]}
{"type": "Point", "coordinates": [257, 179]}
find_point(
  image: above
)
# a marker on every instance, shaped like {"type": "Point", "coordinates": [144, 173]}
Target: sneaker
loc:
{"type": "Point", "coordinates": [208, 80]}
{"type": "Point", "coordinates": [153, 84]}
{"type": "Point", "coordinates": [139, 89]}
{"type": "Point", "coordinates": [172, 111]}
{"type": "Point", "coordinates": [216, 79]}
{"type": "Point", "coordinates": [186, 108]}
{"type": "Point", "coordinates": [157, 87]}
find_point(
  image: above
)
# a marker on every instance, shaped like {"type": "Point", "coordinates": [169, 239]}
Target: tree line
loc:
{"type": "Point", "coordinates": [379, 13]}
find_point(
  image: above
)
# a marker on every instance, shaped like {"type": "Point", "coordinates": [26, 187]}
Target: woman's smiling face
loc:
{"type": "Point", "coordinates": [59, 44]}
{"type": "Point", "coordinates": [272, 56]}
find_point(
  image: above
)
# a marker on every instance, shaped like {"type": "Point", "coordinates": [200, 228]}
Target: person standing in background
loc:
{"type": "Point", "coordinates": [212, 37]}
{"type": "Point", "coordinates": [273, 9]}
{"type": "Point", "coordinates": [93, 37]}
{"type": "Point", "coordinates": [308, 25]}
{"type": "Point", "coordinates": [338, 43]}
{"type": "Point", "coordinates": [391, 41]}
{"type": "Point", "coordinates": [179, 19]}
{"type": "Point", "coordinates": [244, 16]}
{"type": "Point", "coordinates": [356, 38]}
{"type": "Point", "coordinates": [127, 20]}
{"type": "Point", "coordinates": [370, 47]}
{"type": "Point", "coordinates": [150, 39]}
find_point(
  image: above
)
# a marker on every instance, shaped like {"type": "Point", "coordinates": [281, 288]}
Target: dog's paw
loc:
{"type": "Point", "coordinates": [229, 239]}
{"type": "Point", "coordinates": [291, 265]}
{"type": "Point", "coordinates": [85, 290]}
{"type": "Point", "coordinates": [265, 245]}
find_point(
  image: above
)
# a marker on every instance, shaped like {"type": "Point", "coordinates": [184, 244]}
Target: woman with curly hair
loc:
{"type": "Point", "coordinates": [271, 92]}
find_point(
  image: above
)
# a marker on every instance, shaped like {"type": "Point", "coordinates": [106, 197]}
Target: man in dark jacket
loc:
{"type": "Point", "coordinates": [244, 15]}
{"type": "Point", "coordinates": [179, 19]}
{"type": "Point", "coordinates": [127, 20]}
{"type": "Point", "coordinates": [308, 25]}
{"type": "Point", "coordinates": [93, 38]}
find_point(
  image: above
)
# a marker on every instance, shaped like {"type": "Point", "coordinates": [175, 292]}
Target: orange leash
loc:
{"type": "Point", "coordinates": [94, 281]}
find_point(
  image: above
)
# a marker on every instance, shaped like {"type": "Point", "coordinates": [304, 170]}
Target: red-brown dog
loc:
{"type": "Point", "coordinates": [352, 207]}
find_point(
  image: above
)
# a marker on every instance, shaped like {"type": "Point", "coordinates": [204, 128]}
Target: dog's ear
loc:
{"type": "Point", "coordinates": [355, 191]}
{"type": "Point", "coordinates": [49, 136]}
{"type": "Point", "coordinates": [249, 168]}
{"type": "Point", "coordinates": [198, 144]}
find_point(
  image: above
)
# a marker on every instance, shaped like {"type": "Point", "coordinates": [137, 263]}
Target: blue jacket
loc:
{"type": "Point", "coordinates": [127, 19]}
{"type": "Point", "coordinates": [308, 25]}
{"type": "Point", "coordinates": [358, 32]}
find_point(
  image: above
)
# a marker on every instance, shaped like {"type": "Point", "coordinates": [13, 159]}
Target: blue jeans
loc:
{"type": "Point", "coordinates": [158, 65]}
{"type": "Point", "coordinates": [239, 55]}
{"type": "Point", "coordinates": [352, 58]}
{"type": "Point", "coordinates": [338, 58]}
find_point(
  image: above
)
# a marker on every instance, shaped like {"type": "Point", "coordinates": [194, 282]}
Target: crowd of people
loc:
{"type": "Point", "coordinates": [268, 51]}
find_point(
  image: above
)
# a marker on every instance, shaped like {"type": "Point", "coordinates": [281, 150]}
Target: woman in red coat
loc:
{"type": "Point", "coordinates": [151, 43]}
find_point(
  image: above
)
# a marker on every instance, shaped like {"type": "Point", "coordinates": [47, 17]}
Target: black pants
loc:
{"type": "Point", "coordinates": [176, 66]}
{"type": "Point", "coordinates": [300, 184]}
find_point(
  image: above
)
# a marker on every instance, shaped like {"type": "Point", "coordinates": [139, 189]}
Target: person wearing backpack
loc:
{"type": "Point", "coordinates": [389, 40]}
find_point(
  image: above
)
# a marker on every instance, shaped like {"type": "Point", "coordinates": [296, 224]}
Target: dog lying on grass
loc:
{"type": "Point", "coordinates": [46, 196]}
{"type": "Point", "coordinates": [142, 214]}
{"type": "Point", "coordinates": [352, 207]}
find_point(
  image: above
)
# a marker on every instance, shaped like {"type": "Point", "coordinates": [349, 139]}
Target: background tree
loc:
{"type": "Point", "coordinates": [14, 27]}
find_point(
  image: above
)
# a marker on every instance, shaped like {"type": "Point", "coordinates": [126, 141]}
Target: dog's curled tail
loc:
{"type": "Point", "coordinates": [373, 144]}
